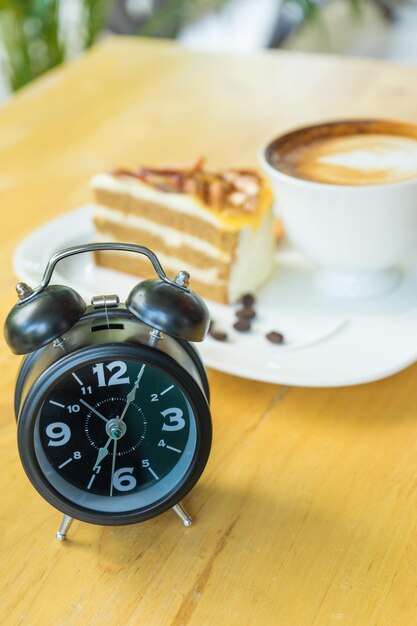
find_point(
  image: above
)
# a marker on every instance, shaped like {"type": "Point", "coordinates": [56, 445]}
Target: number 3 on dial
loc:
{"type": "Point", "coordinates": [175, 417]}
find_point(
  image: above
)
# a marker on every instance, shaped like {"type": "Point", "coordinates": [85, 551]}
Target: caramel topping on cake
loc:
{"type": "Point", "coordinates": [231, 192]}
{"type": "Point", "coordinates": [217, 224]}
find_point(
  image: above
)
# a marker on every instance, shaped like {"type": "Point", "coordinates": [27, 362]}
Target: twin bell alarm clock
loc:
{"type": "Point", "coordinates": [112, 399]}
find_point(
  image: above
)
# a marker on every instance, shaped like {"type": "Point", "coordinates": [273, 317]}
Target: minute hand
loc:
{"type": "Point", "coordinates": [132, 394]}
{"type": "Point", "coordinates": [106, 419]}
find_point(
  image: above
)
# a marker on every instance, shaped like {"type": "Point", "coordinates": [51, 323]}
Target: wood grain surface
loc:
{"type": "Point", "coordinates": [305, 515]}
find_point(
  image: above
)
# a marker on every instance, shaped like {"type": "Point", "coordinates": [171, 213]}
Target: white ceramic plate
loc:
{"type": "Point", "coordinates": [328, 342]}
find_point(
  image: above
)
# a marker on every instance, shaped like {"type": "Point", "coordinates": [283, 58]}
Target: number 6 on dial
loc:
{"type": "Point", "coordinates": [123, 479]}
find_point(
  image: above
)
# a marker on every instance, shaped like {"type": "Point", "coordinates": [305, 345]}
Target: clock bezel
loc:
{"type": "Point", "coordinates": [90, 354]}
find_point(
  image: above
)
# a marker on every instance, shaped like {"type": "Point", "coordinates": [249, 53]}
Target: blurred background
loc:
{"type": "Point", "coordinates": [36, 35]}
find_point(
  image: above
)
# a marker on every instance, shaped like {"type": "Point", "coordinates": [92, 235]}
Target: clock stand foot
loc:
{"type": "Point", "coordinates": [61, 533]}
{"type": "Point", "coordinates": [182, 514]}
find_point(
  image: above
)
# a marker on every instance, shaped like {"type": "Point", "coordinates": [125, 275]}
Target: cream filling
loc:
{"type": "Point", "coordinates": [172, 265]}
{"type": "Point", "coordinates": [176, 201]}
{"type": "Point", "coordinates": [171, 237]}
{"type": "Point", "coordinates": [254, 262]}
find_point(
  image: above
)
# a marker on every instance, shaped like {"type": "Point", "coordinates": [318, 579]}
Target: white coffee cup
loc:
{"type": "Point", "coordinates": [358, 235]}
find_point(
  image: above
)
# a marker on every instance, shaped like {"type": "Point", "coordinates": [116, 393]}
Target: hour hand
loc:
{"type": "Point", "coordinates": [102, 453]}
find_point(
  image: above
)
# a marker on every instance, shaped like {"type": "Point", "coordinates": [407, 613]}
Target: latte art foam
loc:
{"type": "Point", "coordinates": [367, 158]}
{"type": "Point", "coordinates": [349, 153]}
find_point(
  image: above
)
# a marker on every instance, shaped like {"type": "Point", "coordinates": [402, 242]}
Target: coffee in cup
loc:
{"type": "Point", "coordinates": [349, 153]}
{"type": "Point", "coordinates": [347, 194]}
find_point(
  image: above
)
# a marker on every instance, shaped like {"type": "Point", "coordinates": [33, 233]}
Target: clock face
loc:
{"type": "Point", "coordinates": [115, 435]}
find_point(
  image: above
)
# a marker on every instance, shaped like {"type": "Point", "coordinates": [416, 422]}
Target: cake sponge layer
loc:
{"type": "Point", "coordinates": [228, 250]}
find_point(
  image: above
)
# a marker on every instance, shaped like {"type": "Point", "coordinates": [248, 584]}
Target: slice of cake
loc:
{"type": "Point", "coordinates": [218, 226]}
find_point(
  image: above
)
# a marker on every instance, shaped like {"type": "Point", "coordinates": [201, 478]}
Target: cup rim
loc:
{"type": "Point", "coordinates": [302, 182]}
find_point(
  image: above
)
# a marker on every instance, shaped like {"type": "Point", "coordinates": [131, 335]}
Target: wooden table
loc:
{"type": "Point", "coordinates": [306, 512]}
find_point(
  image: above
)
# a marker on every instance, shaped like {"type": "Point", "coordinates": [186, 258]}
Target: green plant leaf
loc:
{"type": "Point", "coordinates": [30, 32]}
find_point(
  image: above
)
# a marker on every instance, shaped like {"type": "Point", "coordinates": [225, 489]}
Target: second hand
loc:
{"type": "Point", "coordinates": [113, 464]}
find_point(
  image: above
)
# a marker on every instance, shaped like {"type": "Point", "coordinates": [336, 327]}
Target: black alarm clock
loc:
{"type": "Point", "coordinates": [112, 400]}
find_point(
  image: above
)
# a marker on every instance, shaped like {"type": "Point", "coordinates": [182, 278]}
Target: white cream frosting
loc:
{"type": "Point", "coordinates": [180, 202]}
{"type": "Point", "coordinates": [172, 265]}
{"type": "Point", "coordinates": [171, 236]}
{"type": "Point", "coordinates": [254, 258]}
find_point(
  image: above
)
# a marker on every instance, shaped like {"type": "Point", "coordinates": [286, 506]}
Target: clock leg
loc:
{"type": "Point", "coordinates": [63, 529]}
{"type": "Point", "coordinates": [182, 514]}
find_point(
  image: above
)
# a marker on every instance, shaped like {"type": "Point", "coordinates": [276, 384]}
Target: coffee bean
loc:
{"type": "Point", "coordinates": [242, 325]}
{"type": "Point", "coordinates": [275, 337]}
{"type": "Point", "coordinates": [248, 300]}
{"type": "Point", "coordinates": [218, 335]}
{"type": "Point", "coordinates": [247, 313]}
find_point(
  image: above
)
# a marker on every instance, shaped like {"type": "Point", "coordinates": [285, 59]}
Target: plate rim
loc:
{"type": "Point", "coordinates": [32, 238]}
